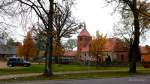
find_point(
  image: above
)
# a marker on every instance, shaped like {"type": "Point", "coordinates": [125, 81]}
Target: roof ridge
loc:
{"type": "Point", "coordinates": [84, 32]}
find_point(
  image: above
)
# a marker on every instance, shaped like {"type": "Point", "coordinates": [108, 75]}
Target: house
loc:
{"type": "Point", "coordinates": [145, 55]}
{"type": "Point", "coordinates": [6, 51]}
{"type": "Point", "coordinates": [68, 57]}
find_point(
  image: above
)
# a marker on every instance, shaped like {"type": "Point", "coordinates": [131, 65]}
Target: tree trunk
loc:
{"type": "Point", "coordinates": [134, 54]}
{"type": "Point", "coordinates": [49, 45]}
{"type": "Point", "coordinates": [48, 59]}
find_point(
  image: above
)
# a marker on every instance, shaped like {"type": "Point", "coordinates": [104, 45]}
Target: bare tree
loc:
{"type": "Point", "coordinates": [136, 12]}
{"type": "Point", "coordinates": [5, 12]}
{"type": "Point", "coordinates": [43, 8]}
{"type": "Point", "coordinates": [64, 24]}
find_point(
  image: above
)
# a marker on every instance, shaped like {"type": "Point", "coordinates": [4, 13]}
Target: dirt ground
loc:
{"type": "Point", "coordinates": [3, 64]}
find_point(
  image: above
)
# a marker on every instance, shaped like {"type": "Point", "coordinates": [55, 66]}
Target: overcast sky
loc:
{"type": "Point", "coordinates": [96, 15]}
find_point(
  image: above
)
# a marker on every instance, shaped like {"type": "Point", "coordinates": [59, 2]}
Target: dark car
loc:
{"type": "Point", "coordinates": [17, 62]}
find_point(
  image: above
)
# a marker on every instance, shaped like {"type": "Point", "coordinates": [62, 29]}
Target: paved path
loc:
{"type": "Point", "coordinates": [125, 80]}
{"type": "Point", "coordinates": [18, 75]}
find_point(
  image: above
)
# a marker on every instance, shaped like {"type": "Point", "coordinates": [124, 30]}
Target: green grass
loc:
{"type": "Point", "coordinates": [18, 70]}
{"type": "Point", "coordinates": [83, 68]}
{"type": "Point", "coordinates": [39, 68]}
{"type": "Point", "coordinates": [81, 76]}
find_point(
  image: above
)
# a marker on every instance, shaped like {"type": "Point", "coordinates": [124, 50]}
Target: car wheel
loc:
{"type": "Point", "coordinates": [11, 65]}
{"type": "Point", "coordinates": [25, 65]}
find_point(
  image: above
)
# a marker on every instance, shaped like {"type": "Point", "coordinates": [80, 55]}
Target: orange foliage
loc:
{"type": "Point", "coordinates": [19, 50]}
{"type": "Point", "coordinates": [28, 49]}
{"type": "Point", "coordinates": [97, 43]}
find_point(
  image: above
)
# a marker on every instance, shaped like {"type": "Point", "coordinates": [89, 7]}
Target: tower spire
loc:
{"type": "Point", "coordinates": [84, 25]}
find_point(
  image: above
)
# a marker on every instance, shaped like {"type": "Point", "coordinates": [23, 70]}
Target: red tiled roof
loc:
{"type": "Point", "coordinates": [69, 53]}
{"type": "Point", "coordinates": [109, 45]}
{"type": "Point", "coordinates": [114, 44]}
{"type": "Point", "coordinates": [84, 32]}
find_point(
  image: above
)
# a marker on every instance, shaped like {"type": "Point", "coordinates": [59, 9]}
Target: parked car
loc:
{"type": "Point", "coordinates": [17, 62]}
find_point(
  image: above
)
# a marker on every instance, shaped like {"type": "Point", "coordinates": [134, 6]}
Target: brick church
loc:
{"type": "Point", "coordinates": [113, 47]}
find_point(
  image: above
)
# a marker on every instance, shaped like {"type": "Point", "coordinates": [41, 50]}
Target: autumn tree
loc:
{"type": "Point", "coordinates": [57, 52]}
{"type": "Point", "coordinates": [19, 50]}
{"type": "Point", "coordinates": [131, 5]}
{"type": "Point", "coordinates": [97, 44]}
{"type": "Point", "coordinates": [29, 50]}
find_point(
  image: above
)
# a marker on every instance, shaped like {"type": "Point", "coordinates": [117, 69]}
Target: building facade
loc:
{"type": "Point", "coordinates": [114, 48]}
{"type": "Point", "coordinates": [83, 42]}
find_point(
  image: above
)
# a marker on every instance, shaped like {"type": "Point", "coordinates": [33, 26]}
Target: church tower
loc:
{"type": "Point", "coordinates": [83, 43]}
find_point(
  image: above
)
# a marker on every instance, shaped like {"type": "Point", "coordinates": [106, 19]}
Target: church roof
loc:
{"type": "Point", "coordinates": [84, 32]}
{"type": "Point", "coordinates": [114, 44]}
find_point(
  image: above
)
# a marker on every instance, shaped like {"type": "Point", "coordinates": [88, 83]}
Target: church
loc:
{"type": "Point", "coordinates": [113, 47]}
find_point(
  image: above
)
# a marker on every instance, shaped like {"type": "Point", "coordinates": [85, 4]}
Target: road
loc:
{"type": "Point", "coordinates": [125, 80]}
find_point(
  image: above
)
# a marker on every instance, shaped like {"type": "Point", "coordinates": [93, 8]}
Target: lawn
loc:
{"type": "Point", "coordinates": [80, 76]}
{"type": "Point", "coordinates": [86, 75]}
{"type": "Point", "coordinates": [39, 68]}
